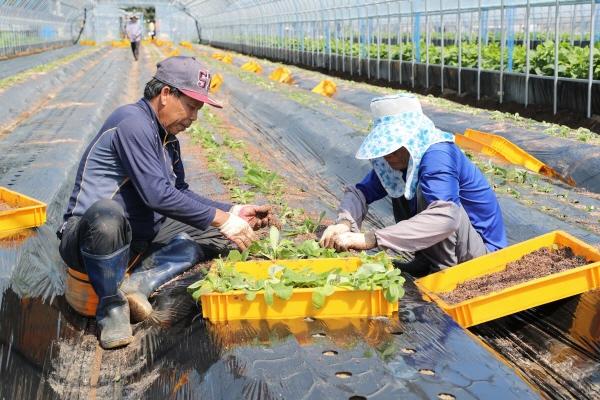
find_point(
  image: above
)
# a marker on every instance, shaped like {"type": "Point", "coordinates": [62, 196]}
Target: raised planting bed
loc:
{"type": "Point", "coordinates": [295, 288]}
{"type": "Point", "coordinates": [18, 212]}
{"type": "Point", "coordinates": [528, 274]}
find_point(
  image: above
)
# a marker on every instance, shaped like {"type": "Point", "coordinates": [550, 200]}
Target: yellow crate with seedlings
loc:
{"type": "Point", "coordinates": [341, 302]}
{"type": "Point", "coordinates": [521, 296]}
{"type": "Point", "coordinates": [326, 88]}
{"type": "Point", "coordinates": [217, 56]}
{"type": "Point", "coordinates": [87, 42]}
{"type": "Point", "coordinates": [252, 66]}
{"type": "Point", "coordinates": [281, 75]}
{"type": "Point", "coordinates": [18, 212]}
{"type": "Point", "coordinates": [227, 59]}
{"type": "Point", "coordinates": [187, 45]}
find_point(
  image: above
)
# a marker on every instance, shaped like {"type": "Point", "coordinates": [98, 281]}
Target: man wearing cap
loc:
{"type": "Point", "coordinates": [130, 197]}
{"type": "Point", "coordinates": [446, 212]}
{"type": "Point", "coordinates": [134, 34]}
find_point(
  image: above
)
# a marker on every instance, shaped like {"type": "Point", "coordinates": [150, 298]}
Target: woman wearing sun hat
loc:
{"type": "Point", "coordinates": [444, 207]}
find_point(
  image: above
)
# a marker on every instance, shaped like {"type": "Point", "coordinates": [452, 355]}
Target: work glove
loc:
{"type": "Point", "coordinates": [257, 216]}
{"type": "Point", "coordinates": [238, 231]}
{"type": "Point", "coordinates": [331, 231]}
{"type": "Point", "coordinates": [354, 241]}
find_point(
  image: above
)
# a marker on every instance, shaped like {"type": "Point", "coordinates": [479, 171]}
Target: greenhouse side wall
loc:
{"type": "Point", "coordinates": [529, 53]}
{"type": "Point", "coordinates": [25, 30]}
{"type": "Point", "coordinates": [571, 94]}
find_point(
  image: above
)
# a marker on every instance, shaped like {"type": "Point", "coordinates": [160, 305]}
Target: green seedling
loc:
{"type": "Point", "coordinates": [307, 226]}
{"type": "Point", "coordinates": [262, 179]}
{"type": "Point", "coordinates": [276, 248]}
{"type": "Point", "coordinates": [289, 213]}
{"type": "Point", "coordinates": [242, 196]}
{"type": "Point", "coordinates": [232, 143]}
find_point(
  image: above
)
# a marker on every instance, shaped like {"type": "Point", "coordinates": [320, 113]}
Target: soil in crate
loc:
{"type": "Point", "coordinates": [5, 206]}
{"type": "Point", "coordinates": [535, 265]}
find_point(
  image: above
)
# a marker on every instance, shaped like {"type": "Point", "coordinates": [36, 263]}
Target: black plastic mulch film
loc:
{"type": "Point", "coordinates": [47, 351]}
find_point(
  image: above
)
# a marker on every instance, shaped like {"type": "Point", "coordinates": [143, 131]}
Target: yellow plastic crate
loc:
{"type": "Point", "coordinates": [343, 303]}
{"type": "Point", "coordinates": [466, 143]}
{"type": "Point", "coordinates": [25, 212]}
{"type": "Point", "coordinates": [508, 149]}
{"type": "Point", "coordinates": [519, 297]}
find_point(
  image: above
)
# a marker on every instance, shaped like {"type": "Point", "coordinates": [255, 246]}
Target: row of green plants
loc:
{"type": "Point", "coordinates": [43, 68]}
{"type": "Point", "coordinates": [573, 60]}
{"type": "Point", "coordinates": [314, 44]}
{"type": "Point", "coordinates": [518, 182]}
{"type": "Point", "coordinates": [255, 176]}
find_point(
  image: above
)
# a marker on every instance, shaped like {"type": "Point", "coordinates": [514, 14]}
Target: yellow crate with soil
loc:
{"type": "Point", "coordinates": [571, 279]}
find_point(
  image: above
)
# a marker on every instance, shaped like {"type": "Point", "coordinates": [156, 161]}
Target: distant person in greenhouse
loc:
{"type": "Point", "coordinates": [130, 201]}
{"type": "Point", "coordinates": [134, 34]}
{"type": "Point", "coordinates": [152, 30]}
{"type": "Point", "coordinates": [446, 211]}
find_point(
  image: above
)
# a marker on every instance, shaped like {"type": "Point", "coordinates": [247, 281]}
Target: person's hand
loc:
{"type": "Point", "coordinates": [354, 240]}
{"type": "Point", "coordinates": [238, 231]}
{"type": "Point", "coordinates": [330, 232]}
{"type": "Point", "coordinates": [257, 216]}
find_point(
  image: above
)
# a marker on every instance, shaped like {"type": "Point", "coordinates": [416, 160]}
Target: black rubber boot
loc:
{"type": "Point", "coordinates": [177, 256]}
{"type": "Point", "coordinates": [106, 273]}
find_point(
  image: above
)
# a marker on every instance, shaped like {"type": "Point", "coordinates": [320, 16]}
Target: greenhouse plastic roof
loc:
{"type": "Point", "coordinates": [226, 11]}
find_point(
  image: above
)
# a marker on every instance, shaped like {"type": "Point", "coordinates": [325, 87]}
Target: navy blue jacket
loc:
{"type": "Point", "coordinates": [135, 162]}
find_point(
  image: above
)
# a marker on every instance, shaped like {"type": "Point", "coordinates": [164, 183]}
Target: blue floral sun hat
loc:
{"type": "Point", "coordinates": [398, 121]}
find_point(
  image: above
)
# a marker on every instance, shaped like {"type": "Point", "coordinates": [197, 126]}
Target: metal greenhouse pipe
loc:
{"type": "Point", "coordinates": [556, 39]}
{"type": "Point", "coordinates": [527, 45]}
{"type": "Point", "coordinates": [591, 61]}
{"type": "Point", "coordinates": [502, 48]}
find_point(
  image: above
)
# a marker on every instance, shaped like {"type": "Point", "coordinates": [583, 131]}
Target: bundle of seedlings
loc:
{"type": "Point", "coordinates": [538, 264]}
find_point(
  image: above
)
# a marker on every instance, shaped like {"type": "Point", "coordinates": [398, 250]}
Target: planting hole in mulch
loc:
{"type": "Point", "coordinates": [343, 374]}
{"type": "Point", "coordinates": [330, 353]}
{"type": "Point", "coordinates": [407, 350]}
{"type": "Point", "coordinates": [426, 371]}
{"type": "Point", "coordinates": [357, 398]}
{"type": "Point", "coordinates": [5, 206]}
{"type": "Point", "coordinates": [534, 265]}
{"type": "Point", "coordinates": [446, 396]}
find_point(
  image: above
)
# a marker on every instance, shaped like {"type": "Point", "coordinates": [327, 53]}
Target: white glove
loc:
{"type": "Point", "coordinates": [238, 231]}
{"type": "Point", "coordinates": [235, 210]}
{"type": "Point", "coordinates": [354, 240]}
{"type": "Point", "coordinates": [331, 232]}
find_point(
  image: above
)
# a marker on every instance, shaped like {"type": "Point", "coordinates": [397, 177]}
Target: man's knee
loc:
{"type": "Point", "coordinates": [104, 228]}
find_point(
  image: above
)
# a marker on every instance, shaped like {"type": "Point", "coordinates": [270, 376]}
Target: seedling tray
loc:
{"type": "Point", "coordinates": [25, 212]}
{"type": "Point", "coordinates": [518, 297]}
{"type": "Point", "coordinates": [343, 303]}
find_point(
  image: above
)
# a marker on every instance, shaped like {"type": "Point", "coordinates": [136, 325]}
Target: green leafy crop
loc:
{"type": "Point", "coordinates": [282, 281]}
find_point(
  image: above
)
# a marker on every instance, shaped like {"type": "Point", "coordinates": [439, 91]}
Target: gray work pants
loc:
{"type": "Point", "coordinates": [462, 245]}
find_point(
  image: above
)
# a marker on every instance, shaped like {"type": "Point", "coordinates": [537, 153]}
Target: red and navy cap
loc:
{"type": "Point", "coordinates": [187, 75]}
